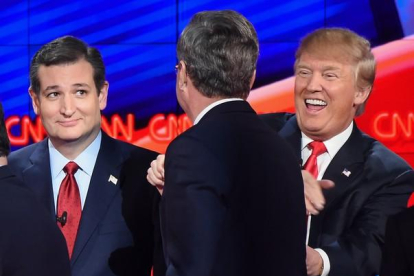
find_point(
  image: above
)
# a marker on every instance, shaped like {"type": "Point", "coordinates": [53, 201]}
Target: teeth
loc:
{"type": "Point", "coordinates": [315, 102]}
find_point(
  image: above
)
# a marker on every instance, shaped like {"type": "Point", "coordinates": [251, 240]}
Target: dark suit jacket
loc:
{"type": "Point", "coordinates": [398, 257]}
{"type": "Point", "coordinates": [351, 227]}
{"type": "Point", "coordinates": [30, 243]}
{"type": "Point", "coordinates": [119, 229]}
{"type": "Point", "coordinates": [233, 199]}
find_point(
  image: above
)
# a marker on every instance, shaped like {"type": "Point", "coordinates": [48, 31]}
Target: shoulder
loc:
{"type": "Point", "coordinates": [18, 160]}
{"type": "Point", "coordinates": [383, 159]}
{"type": "Point", "coordinates": [127, 150]}
{"type": "Point", "coordinates": [24, 152]}
{"type": "Point", "coordinates": [276, 120]}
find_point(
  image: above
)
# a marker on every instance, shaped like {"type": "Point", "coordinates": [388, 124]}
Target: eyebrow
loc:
{"type": "Point", "coordinates": [76, 85]}
{"type": "Point", "coordinates": [324, 68]}
{"type": "Point", "coordinates": [80, 85]}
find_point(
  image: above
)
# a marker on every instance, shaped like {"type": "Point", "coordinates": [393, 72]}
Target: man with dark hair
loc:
{"type": "Point", "coordinates": [30, 243]}
{"type": "Point", "coordinates": [93, 185]}
{"type": "Point", "coordinates": [233, 202]}
{"type": "Point", "coordinates": [335, 72]}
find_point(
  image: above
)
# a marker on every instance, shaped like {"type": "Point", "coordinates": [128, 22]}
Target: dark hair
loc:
{"type": "Point", "coordinates": [67, 50]}
{"type": "Point", "coordinates": [220, 50]}
{"type": "Point", "coordinates": [4, 138]}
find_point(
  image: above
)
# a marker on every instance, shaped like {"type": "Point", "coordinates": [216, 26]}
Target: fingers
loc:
{"type": "Point", "coordinates": [326, 184]}
{"type": "Point", "coordinates": [314, 198]}
{"type": "Point", "coordinates": [155, 174]}
{"type": "Point", "coordinates": [310, 208]}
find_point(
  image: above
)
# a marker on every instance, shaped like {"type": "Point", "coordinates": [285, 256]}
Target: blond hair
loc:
{"type": "Point", "coordinates": [351, 48]}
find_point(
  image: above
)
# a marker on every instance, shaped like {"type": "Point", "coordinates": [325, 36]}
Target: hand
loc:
{"type": "Point", "coordinates": [314, 199]}
{"type": "Point", "coordinates": [155, 174]}
{"type": "Point", "coordinates": [314, 262]}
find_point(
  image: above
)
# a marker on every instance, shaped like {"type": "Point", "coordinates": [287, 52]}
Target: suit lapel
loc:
{"type": "Point", "coordinates": [38, 176]}
{"type": "Point", "coordinates": [344, 170]}
{"type": "Point", "coordinates": [101, 192]}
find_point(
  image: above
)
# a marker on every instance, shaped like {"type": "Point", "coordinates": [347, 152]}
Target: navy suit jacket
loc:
{"type": "Point", "coordinates": [233, 202]}
{"type": "Point", "coordinates": [398, 257]}
{"type": "Point", "coordinates": [30, 243]}
{"type": "Point", "coordinates": [378, 183]}
{"type": "Point", "coordinates": [119, 229]}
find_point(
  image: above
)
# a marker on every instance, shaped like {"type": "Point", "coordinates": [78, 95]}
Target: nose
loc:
{"type": "Point", "coordinates": [314, 83]}
{"type": "Point", "coordinates": [67, 106]}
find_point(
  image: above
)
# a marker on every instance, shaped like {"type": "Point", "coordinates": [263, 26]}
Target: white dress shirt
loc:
{"type": "Point", "coordinates": [210, 106]}
{"type": "Point", "coordinates": [332, 145]}
{"type": "Point", "coordinates": [86, 162]}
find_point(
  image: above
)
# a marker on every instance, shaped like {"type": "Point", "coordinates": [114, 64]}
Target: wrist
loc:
{"type": "Point", "coordinates": [321, 267]}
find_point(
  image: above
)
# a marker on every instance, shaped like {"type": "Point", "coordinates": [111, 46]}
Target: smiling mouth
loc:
{"type": "Point", "coordinates": [315, 104]}
{"type": "Point", "coordinates": [68, 123]}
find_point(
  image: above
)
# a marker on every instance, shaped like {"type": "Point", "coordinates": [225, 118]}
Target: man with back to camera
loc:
{"type": "Point", "coordinates": [231, 181]}
{"type": "Point", "coordinates": [93, 186]}
{"type": "Point", "coordinates": [335, 71]}
{"type": "Point", "coordinates": [30, 243]}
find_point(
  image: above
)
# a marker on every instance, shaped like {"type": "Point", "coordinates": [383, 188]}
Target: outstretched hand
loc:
{"type": "Point", "coordinates": [314, 199]}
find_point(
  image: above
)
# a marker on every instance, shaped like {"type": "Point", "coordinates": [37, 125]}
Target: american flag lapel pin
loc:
{"type": "Point", "coordinates": [346, 172]}
{"type": "Point", "coordinates": [113, 179]}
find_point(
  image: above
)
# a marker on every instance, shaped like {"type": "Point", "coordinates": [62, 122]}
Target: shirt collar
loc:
{"type": "Point", "coordinates": [210, 106]}
{"type": "Point", "coordinates": [334, 144]}
{"type": "Point", "coordinates": [84, 160]}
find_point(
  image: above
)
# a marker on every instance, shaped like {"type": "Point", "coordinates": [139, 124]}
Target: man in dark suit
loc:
{"type": "Point", "coordinates": [398, 254]}
{"type": "Point", "coordinates": [335, 71]}
{"type": "Point", "coordinates": [233, 202]}
{"type": "Point", "coordinates": [30, 243]}
{"type": "Point", "coordinates": [93, 185]}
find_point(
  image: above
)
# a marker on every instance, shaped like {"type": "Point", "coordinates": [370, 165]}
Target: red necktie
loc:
{"type": "Point", "coordinates": [69, 206]}
{"type": "Point", "coordinates": [311, 164]}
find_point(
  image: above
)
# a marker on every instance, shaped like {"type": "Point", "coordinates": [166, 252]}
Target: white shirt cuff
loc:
{"type": "Point", "coordinates": [326, 263]}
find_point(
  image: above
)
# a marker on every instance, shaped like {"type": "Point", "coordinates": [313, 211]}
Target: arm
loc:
{"type": "Point", "coordinates": [193, 212]}
{"type": "Point", "coordinates": [357, 251]}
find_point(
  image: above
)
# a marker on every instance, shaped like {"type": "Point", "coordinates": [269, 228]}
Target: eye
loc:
{"type": "Point", "coordinates": [303, 73]}
{"type": "Point", "coordinates": [52, 95]}
{"type": "Point", "coordinates": [330, 75]}
{"type": "Point", "coordinates": [81, 92]}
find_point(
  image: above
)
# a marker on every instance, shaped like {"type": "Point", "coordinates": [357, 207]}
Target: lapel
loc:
{"type": "Point", "coordinates": [38, 176]}
{"type": "Point", "coordinates": [101, 192]}
{"type": "Point", "coordinates": [349, 158]}
{"type": "Point", "coordinates": [345, 166]}
{"type": "Point", "coordinates": [345, 170]}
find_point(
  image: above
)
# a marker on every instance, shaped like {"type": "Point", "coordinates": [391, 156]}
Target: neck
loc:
{"type": "Point", "coordinates": [72, 149]}
{"type": "Point", "coordinates": [199, 105]}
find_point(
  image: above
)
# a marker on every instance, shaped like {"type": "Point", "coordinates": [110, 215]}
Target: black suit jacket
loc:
{"type": "Point", "coordinates": [351, 227]}
{"type": "Point", "coordinates": [233, 201]}
{"type": "Point", "coordinates": [398, 257]}
{"type": "Point", "coordinates": [30, 243]}
{"type": "Point", "coordinates": [119, 229]}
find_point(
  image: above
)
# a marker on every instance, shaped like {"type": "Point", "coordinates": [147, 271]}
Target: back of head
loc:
{"type": "Point", "coordinates": [344, 46]}
{"type": "Point", "coordinates": [66, 50]}
{"type": "Point", "coordinates": [4, 138]}
{"type": "Point", "coordinates": [220, 50]}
